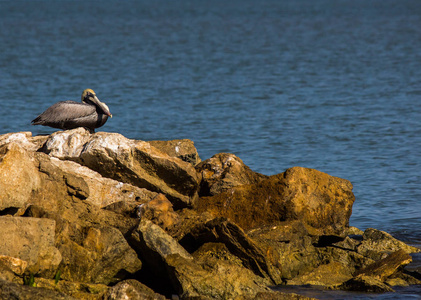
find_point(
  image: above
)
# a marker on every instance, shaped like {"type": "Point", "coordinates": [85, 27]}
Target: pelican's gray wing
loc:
{"type": "Point", "coordinates": [64, 111]}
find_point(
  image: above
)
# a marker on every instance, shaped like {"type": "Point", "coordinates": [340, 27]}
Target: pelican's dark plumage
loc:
{"type": "Point", "coordinates": [90, 113]}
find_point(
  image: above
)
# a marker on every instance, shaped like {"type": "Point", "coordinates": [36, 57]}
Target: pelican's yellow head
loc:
{"type": "Point", "coordinates": [89, 97]}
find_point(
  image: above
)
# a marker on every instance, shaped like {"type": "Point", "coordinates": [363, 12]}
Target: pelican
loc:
{"type": "Point", "coordinates": [91, 113]}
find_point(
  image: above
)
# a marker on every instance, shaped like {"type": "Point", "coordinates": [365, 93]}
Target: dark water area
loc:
{"type": "Point", "coordinates": [333, 85]}
{"type": "Point", "coordinates": [407, 293]}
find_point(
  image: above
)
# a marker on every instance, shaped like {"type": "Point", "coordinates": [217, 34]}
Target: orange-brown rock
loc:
{"type": "Point", "coordinates": [182, 149]}
{"type": "Point", "coordinates": [224, 171]}
{"type": "Point", "coordinates": [322, 201]}
{"type": "Point", "coordinates": [160, 211]}
{"type": "Point", "coordinates": [135, 162]}
{"type": "Point", "coordinates": [18, 176]}
{"type": "Point", "coordinates": [289, 249]}
{"type": "Point", "coordinates": [74, 199]}
{"type": "Point", "coordinates": [219, 230]}
{"type": "Point", "coordinates": [31, 240]}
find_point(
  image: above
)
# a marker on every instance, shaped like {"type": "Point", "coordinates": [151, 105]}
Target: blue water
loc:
{"type": "Point", "coordinates": [333, 85]}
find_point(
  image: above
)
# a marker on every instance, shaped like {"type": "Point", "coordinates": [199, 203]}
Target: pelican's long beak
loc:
{"type": "Point", "coordinates": [101, 105]}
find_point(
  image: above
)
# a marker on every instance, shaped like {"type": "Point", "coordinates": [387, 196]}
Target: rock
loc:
{"type": "Point", "coordinates": [67, 144]}
{"type": "Point", "coordinates": [153, 242]}
{"type": "Point", "coordinates": [372, 277]}
{"type": "Point", "coordinates": [78, 290]}
{"type": "Point", "coordinates": [214, 273]}
{"type": "Point", "coordinates": [354, 231]}
{"type": "Point", "coordinates": [396, 282]}
{"type": "Point", "coordinates": [224, 171]}
{"type": "Point", "coordinates": [14, 264]}
{"type": "Point", "coordinates": [76, 198]}
{"type": "Point", "coordinates": [160, 211]}
{"type": "Point", "coordinates": [74, 193]}
{"type": "Point", "coordinates": [24, 140]}
{"type": "Point", "coordinates": [12, 268]}
{"type": "Point", "coordinates": [367, 284]}
{"type": "Point", "coordinates": [30, 240]}
{"type": "Point", "coordinates": [90, 186]}
{"type": "Point", "coordinates": [378, 244]}
{"type": "Point", "coordinates": [133, 290]}
{"type": "Point", "coordinates": [188, 219]}
{"type": "Point", "coordinates": [58, 193]}
{"type": "Point", "coordinates": [330, 274]}
{"type": "Point", "coordinates": [17, 173]}
{"type": "Point", "coordinates": [153, 246]}
{"type": "Point", "coordinates": [87, 247]}
{"type": "Point", "coordinates": [210, 272]}
{"type": "Point", "coordinates": [388, 266]}
{"type": "Point", "coordinates": [220, 230]}
{"type": "Point", "coordinates": [279, 296]}
{"type": "Point", "coordinates": [182, 149]}
{"type": "Point", "coordinates": [129, 161]}
{"type": "Point", "coordinates": [104, 257]}
{"type": "Point", "coordinates": [289, 249]}
{"type": "Point", "coordinates": [322, 201]}
{"type": "Point", "coordinates": [345, 254]}
{"type": "Point", "coordinates": [10, 290]}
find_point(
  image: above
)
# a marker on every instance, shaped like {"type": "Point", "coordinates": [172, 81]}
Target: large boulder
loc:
{"type": "Point", "coordinates": [222, 231]}
{"type": "Point", "coordinates": [24, 140]}
{"type": "Point", "coordinates": [104, 257]}
{"type": "Point", "coordinates": [135, 162]}
{"type": "Point", "coordinates": [215, 273]}
{"type": "Point", "coordinates": [31, 240]}
{"type": "Point", "coordinates": [17, 173]}
{"type": "Point", "coordinates": [46, 181]}
{"type": "Point", "coordinates": [319, 200]}
{"type": "Point", "coordinates": [100, 191]}
{"type": "Point", "coordinates": [91, 242]}
{"type": "Point", "coordinates": [289, 249]}
{"type": "Point", "coordinates": [211, 272]}
{"type": "Point", "coordinates": [224, 171]}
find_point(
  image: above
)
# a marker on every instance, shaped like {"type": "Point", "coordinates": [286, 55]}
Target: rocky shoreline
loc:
{"type": "Point", "coordinates": [100, 216]}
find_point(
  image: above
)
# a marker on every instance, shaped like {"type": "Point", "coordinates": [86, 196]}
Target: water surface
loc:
{"type": "Point", "coordinates": [330, 85]}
